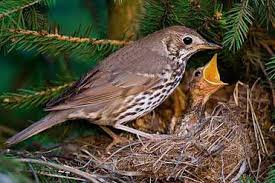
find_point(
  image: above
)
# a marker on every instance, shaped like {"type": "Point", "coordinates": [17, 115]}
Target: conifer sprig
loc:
{"type": "Point", "coordinates": [164, 13]}
{"type": "Point", "coordinates": [271, 174]}
{"type": "Point", "coordinates": [56, 44]}
{"type": "Point", "coordinates": [239, 19]}
{"type": "Point", "coordinates": [11, 6]}
{"type": "Point", "coordinates": [26, 99]}
{"type": "Point", "coordinates": [266, 13]}
{"type": "Point", "coordinates": [270, 67]}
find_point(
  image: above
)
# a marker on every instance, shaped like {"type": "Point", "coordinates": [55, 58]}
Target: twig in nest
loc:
{"type": "Point", "coordinates": [257, 130]}
{"type": "Point", "coordinates": [60, 176]}
{"type": "Point", "coordinates": [87, 176]}
{"type": "Point", "coordinates": [242, 169]}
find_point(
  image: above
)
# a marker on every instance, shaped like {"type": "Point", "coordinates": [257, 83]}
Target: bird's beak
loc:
{"type": "Point", "coordinates": [209, 46]}
{"type": "Point", "coordinates": [211, 73]}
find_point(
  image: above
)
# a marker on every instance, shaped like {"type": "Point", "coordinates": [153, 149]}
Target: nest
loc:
{"type": "Point", "coordinates": [221, 148]}
{"type": "Point", "coordinates": [220, 151]}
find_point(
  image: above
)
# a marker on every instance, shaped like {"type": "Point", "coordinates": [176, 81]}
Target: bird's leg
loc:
{"type": "Point", "coordinates": [140, 133]}
{"type": "Point", "coordinates": [116, 138]}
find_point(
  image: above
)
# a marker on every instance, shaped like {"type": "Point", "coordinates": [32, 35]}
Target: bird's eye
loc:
{"type": "Point", "coordinates": [187, 40]}
{"type": "Point", "coordinates": [197, 73]}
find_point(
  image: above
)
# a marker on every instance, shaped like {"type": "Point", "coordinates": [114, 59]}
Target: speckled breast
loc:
{"type": "Point", "coordinates": [146, 101]}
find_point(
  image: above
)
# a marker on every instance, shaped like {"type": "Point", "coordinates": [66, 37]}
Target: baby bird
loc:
{"type": "Point", "coordinates": [204, 82]}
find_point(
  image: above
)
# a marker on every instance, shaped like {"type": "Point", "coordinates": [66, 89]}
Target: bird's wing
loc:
{"type": "Point", "coordinates": [108, 82]}
{"type": "Point", "coordinates": [97, 94]}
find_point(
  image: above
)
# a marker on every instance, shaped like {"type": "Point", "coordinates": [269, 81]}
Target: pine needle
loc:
{"type": "Point", "coordinates": [239, 18]}
{"type": "Point", "coordinates": [26, 99]}
{"type": "Point", "coordinates": [57, 45]}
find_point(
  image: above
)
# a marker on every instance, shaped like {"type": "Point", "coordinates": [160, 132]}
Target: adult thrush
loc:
{"type": "Point", "coordinates": [126, 85]}
{"type": "Point", "coordinates": [205, 81]}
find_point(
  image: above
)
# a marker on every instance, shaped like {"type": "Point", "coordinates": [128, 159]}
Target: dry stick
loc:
{"type": "Point", "coordinates": [60, 176]}
{"type": "Point", "coordinates": [90, 177]}
{"type": "Point", "coordinates": [242, 170]}
{"type": "Point", "coordinates": [257, 126]}
{"type": "Point", "coordinates": [91, 158]}
{"type": "Point", "coordinates": [257, 132]}
{"type": "Point", "coordinates": [69, 38]}
{"type": "Point", "coordinates": [120, 149]}
{"type": "Point", "coordinates": [223, 179]}
{"type": "Point", "coordinates": [167, 150]}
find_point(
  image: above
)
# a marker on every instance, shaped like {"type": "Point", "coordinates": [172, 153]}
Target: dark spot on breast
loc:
{"type": "Point", "coordinates": [140, 99]}
{"type": "Point", "coordinates": [156, 95]}
{"type": "Point", "coordinates": [177, 80]}
{"type": "Point", "coordinates": [158, 87]}
{"type": "Point", "coordinates": [164, 90]}
{"type": "Point", "coordinates": [147, 93]}
{"type": "Point", "coordinates": [141, 103]}
{"type": "Point", "coordinates": [163, 96]}
{"type": "Point", "coordinates": [130, 113]}
{"type": "Point", "coordinates": [138, 109]}
{"type": "Point", "coordinates": [169, 84]}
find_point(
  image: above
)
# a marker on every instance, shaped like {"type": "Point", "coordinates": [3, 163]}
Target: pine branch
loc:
{"type": "Point", "coordinates": [11, 6]}
{"type": "Point", "coordinates": [239, 18]}
{"type": "Point", "coordinates": [56, 44]}
{"type": "Point", "coordinates": [60, 37]}
{"type": "Point", "coordinates": [157, 15]}
{"type": "Point", "coordinates": [271, 174]}
{"type": "Point", "coordinates": [266, 13]}
{"type": "Point", "coordinates": [23, 14]}
{"type": "Point", "coordinates": [25, 99]}
{"type": "Point", "coordinates": [164, 13]}
{"type": "Point", "coordinates": [270, 68]}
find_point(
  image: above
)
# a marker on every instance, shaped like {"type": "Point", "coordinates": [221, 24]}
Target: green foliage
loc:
{"type": "Point", "coordinates": [271, 68]}
{"type": "Point", "coordinates": [13, 13]}
{"type": "Point", "coordinates": [270, 178]}
{"type": "Point", "coordinates": [246, 179]}
{"type": "Point", "coordinates": [58, 45]}
{"type": "Point", "coordinates": [19, 19]}
{"type": "Point", "coordinates": [13, 6]}
{"type": "Point", "coordinates": [11, 170]}
{"type": "Point", "coordinates": [25, 99]}
{"type": "Point", "coordinates": [160, 14]}
{"type": "Point", "coordinates": [266, 12]}
{"type": "Point", "coordinates": [239, 19]}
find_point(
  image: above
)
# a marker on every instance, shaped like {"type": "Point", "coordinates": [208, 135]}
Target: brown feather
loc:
{"type": "Point", "coordinates": [108, 82]}
{"type": "Point", "coordinates": [48, 121]}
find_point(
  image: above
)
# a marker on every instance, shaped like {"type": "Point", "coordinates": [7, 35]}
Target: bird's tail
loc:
{"type": "Point", "coordinates": [48, 121]}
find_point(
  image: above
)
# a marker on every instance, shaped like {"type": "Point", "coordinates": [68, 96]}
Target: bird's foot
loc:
{"type": "Point", "coordinates": [116, 141]}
